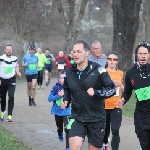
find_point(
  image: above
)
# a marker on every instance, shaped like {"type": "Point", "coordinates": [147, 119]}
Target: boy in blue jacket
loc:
{"type": "Point", "coordinates": [61, 115]}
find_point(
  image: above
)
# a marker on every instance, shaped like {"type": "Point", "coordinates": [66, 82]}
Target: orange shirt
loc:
{"type": "Point", "coordinates": [112, 102]}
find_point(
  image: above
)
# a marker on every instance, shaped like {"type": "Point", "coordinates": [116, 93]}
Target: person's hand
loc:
{"type": "Point", "coordinates": [121, 102]}
{"type": "Point", "coordinates": [90, 91]}
{"type": "Point", "coordinates": [0, 82]}
{"type": "Point", "coordinates": [25, 64]}
{"type": "Point", "coordinates": [18, 74]}
{"type": "Point", "coordinates": [64, 64]}
{"type": "Point", "coordinates": [63, 105]}
{"type": "Point", "coordinates": [61, 93]}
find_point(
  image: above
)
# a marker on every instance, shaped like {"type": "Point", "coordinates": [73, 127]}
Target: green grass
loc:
{"type": "Point", "coordinates": [10, 142]}
{"type": "Point", "coordinates": [129, 107]}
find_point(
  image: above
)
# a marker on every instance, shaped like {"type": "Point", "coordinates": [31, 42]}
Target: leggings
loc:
{"type": "Point", "coordinates": [113, 117]}
{"type": "Point", "coordinates": [60, 121]}
{"type": "Point", "coordinates": [40, 77]}
{"type": "Point", "coordinates": [8, 85]}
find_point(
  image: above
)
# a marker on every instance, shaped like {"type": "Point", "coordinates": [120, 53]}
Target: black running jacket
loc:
{"type": "Point", "coordinates": [87, 108]}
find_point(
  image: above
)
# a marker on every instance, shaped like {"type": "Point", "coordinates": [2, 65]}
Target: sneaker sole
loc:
{"type": "Point", "coordinates": [9, 121]}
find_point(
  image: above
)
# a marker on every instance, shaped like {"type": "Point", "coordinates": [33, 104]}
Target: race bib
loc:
{"type": "Point", "coordinates": [143, 93]}
{"type": "Point", "coordinates": [32, 67]}
{"type": "Point", "coordinates": [61, 66]}
{"type": "Point", "coordinates": [58, 102]}
{"type": "Point", "coordinates": [48, 61]}
{"type": "Point", "coordinates": [8, 70]}
{"type": "Point", "coordinates": [117, 91]}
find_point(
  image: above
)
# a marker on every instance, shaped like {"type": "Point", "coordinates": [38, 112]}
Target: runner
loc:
{"type": "Point", "coordinates": [41, 62]}
{"type": "Point", "coordinates": [113, 112]}
{"type": "Point", "coordinates": [30, 61]}
{"type": "Point", "coordinates": [138, 79]}
{"type": "Point", "coordinates": [86, 85]}
{"type": "Point", "coordinates": [62, 62]}
{"type": "Point", "coordinates": [48, 66]}
{"type": "Point", "coordinates": [61, 115]}
{"type": "Point", "coordinates": [97, 54]}
{"type": "Point", "coordinates": [8, 68]}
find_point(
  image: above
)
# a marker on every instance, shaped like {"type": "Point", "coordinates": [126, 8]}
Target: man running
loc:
{"type": "Point", "coordinates": [48, 66]}
{"type": "Point", "coordinates": [8, 68]}
{"type": "Point", "coordinates": [30, 61]}
{"type": "Point", "coordinates": [97, 54]}
{"type": "Point", "coordinates": [138, 79]}
{"type": "Point", "coordinates": [41, 62]}
{"type": "Point", "coordinates": [86, 84]}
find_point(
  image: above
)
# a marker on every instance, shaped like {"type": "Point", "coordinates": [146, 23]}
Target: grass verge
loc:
{"type": "Point", "coordinates": [10, 142]}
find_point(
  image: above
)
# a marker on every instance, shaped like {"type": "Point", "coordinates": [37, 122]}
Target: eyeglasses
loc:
{"type": "Point", "coordinates": [112, 59]}
{"type": "Point", "coordinates": [144, 43]}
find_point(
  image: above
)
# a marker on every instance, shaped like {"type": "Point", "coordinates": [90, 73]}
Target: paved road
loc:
{"type": "Point", "coordinates": [35, 126]}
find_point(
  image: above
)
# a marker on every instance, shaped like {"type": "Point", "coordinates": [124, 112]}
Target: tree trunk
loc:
{"type": "Point", "coordinates": [146, 17]}
{"type": "Point", "coordinates": [126, 23]}
{"type": "Point", "coordinates": [72, 21]}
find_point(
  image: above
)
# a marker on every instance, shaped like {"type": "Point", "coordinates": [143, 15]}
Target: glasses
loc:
{"type": "Point", "coordinates": [143, 43]}
{"type": "Point", "coordinates": [112, 59]}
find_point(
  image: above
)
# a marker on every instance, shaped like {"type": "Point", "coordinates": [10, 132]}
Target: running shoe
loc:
{"type": "Point", "coordinates": [61, 138]}
{"type": "Point", "coordinates": [38, 87]}
{"type": "Point", "coordinates": [30, 102]}
{"type": "Point", "coordinates": [42, 87]}
{"type": "Point", "coordinates": [9, 118]}
{"type": "Point", "coordinates": [67, 149]}
{"type": "Point", "coordinates": [2, 116]}
{"type": "Point", "coordinates": [33, 103]}
{"type": "Point", "coordinates": [105, 146]}
{"type": "Point", "coordinates": [46, 83]}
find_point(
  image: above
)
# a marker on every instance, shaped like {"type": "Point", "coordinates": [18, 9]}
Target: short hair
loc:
{"type": "Point", "coordinates": [85, 44]}
{"type": "Point", "coordinates": [96, 42]}
{"type": "Point", "coordinates": [112, 52]}
{"type": "Point", "coordinates": [60, 50]}
{"type": "Point", "coordinates": [47, 49]}
{"type": "Point", "coordinates": [8, 45]}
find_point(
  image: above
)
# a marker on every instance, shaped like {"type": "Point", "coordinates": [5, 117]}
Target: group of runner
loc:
{"type": "Point", "coordinates": [94, 101]}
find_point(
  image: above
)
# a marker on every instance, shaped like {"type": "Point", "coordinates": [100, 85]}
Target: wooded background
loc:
{"type": "Point", "coordinates": [118, 24]}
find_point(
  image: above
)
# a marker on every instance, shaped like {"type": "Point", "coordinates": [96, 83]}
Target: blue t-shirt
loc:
{"type": "Point", "coordinates": [32, 61]}
{"type": "Point", "coordinates": [48, 63]}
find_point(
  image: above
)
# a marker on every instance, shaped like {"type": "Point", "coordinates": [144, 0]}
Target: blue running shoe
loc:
{"type": "Point", "coordinates": [61, 138]}
{"type": "Point", "coordinates": [67, 149]}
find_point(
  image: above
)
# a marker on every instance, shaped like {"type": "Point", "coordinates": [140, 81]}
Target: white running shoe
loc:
{"type": "Point", "coordinates": [105, 146]}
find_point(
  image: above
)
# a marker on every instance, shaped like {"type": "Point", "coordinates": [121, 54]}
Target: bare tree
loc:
{"type": "Point", "coordinates": [146, 17]}
{"type": "Point", "coordinates": [71, 19]}
{"type": "Point", "coordinates": [125, 26]}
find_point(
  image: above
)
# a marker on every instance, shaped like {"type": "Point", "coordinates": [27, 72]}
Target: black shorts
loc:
{"type": "Point", "coordinates": [30, 77]}
{"type": "Point", "coordinates": [49, 69]}
{"type": "Point", "coordinates": [142, 128]}
{"type": "Point", "coordinates": [93, 130]}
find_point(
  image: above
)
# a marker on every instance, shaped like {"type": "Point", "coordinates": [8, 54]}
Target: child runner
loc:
{"type": "Point", "coordinates": [61, 115]}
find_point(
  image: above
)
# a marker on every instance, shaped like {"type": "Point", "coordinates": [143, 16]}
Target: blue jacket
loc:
{"type": "Point", "coordinates": [53, 96]}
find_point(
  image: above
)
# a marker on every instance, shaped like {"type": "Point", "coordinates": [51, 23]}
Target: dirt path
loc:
{"type": "Point", "coordinates": [35, 127]}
